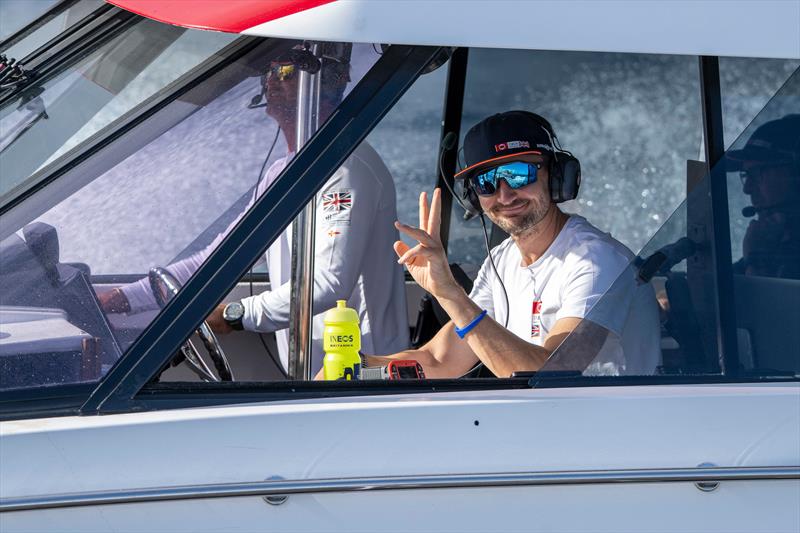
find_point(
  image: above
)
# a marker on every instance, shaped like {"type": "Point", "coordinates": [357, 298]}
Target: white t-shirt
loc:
{"type": "Point", "coordinates": [353, 261]}
{"type": "Point", "coordinates": [578, 268]}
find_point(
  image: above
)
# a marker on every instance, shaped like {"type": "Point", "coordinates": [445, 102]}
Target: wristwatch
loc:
{"type": "Point", "coordinates": [232, 314]}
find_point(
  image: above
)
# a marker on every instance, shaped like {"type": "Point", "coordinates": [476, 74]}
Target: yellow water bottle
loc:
{"type": "Point", "coordinates": [341, 341]}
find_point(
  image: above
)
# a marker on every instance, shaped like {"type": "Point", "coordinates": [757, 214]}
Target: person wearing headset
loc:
{"type": "Point", "coordinates": [769, 166]}
{"type": "Point", "coordinates": [354, 216]}
{"type": "Point", "coordinates": [536, 287]}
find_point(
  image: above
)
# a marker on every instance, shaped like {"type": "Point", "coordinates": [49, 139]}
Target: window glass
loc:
{"type": "Point", "coordinates": [46, 121]}
{"type": "Point", "coordinates": [355, 209]}
{"type": "Point", "coordinates": [354, 261]}
{"type": "Point", "coordinates": [763, 166]}
{"type": "Point", "coordinates": [763, 182]}
{"type": "Point", "coordinates": [747, 85]}
{"type": "Point", "coordinates": [631, 119]}
{"type": "Point", "coordinates": [354, 235]}
{"type": "Point", "coordinates": [408, 141]}
{"type": "Point", "coordinates": [658, 316]}
{"type": "Point", "coordinates": [748, 88]}
{"type": "Point", "coordinates": [164, 195]}
{"type": "Point", "coordinates": [15, 14]}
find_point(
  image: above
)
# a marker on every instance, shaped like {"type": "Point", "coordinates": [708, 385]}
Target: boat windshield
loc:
{"type": "Point", "coordinates": [47, 120]}
{"type": "Point", "coordinates": [58, 15]}
{"type": "Point", "coordinates": [165, 194]}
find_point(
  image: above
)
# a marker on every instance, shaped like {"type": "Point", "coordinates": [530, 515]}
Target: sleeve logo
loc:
{"type": "Point", "coordinates": [337, 206]}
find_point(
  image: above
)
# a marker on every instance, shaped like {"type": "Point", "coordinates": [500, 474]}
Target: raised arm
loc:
{"type": "Point", "coordinates": [498, 348]}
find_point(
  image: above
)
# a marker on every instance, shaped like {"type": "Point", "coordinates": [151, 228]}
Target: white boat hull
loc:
{"type": "Point", "coordinates": [591, 459]}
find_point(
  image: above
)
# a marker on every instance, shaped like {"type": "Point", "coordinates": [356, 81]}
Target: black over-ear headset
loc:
{"type": "Point", "coordinates": [564, 170]}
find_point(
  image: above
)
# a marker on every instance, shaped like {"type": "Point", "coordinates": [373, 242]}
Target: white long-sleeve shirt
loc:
{"type": "Point", "coordinates": [353, 260]}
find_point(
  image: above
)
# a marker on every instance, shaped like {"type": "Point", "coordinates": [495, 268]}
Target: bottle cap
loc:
{"type": "Point", "coordinates": [341, 314]}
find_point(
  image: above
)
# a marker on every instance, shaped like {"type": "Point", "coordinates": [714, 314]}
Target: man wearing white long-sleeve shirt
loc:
{"type": "Point", "coordinates": [355, 214]}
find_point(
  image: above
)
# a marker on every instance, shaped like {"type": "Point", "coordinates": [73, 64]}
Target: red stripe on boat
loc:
{"type": "Point", "coordinates": [232, 16]}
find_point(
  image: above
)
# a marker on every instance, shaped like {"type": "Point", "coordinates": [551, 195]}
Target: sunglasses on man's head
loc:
{"type": "Point", "coordinates": [286, 70]}
{"type": "Point", "coordinates": [282, 71]}
{"type": "Point", "coordinates": [517, 174]}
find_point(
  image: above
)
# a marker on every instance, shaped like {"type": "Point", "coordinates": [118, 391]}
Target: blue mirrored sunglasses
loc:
{"type": "Point", "coordinates": [517, 175]}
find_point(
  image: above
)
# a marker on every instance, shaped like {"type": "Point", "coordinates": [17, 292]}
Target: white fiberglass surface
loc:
{"type": "Point", "coordinates": [581, 429]}
{"type": "Point", "coordinates": [739, 29]}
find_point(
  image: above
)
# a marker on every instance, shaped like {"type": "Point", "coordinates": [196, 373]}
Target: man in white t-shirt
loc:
{"type": "Point", "coordinates": [354, 215]}
{"type": "Point", "coordinates": [554, 271]}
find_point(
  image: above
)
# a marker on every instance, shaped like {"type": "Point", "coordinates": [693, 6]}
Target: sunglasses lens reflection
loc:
{"type": "Point", "coordinates": [517, 174]}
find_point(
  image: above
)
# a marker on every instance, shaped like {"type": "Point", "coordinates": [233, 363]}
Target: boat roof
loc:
{"type": "Point", "coordinates": [737, 28]}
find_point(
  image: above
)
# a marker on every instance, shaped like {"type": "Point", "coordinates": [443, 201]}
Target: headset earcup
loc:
{"type": "Point", "coordinates": [565, 178]}
{"type": "Point", "coordinates": [571, 178]}
{"type": "Point", "coordinates": [556, 181]}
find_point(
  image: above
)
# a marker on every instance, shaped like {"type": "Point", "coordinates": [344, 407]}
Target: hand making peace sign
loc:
{"type": "Point", "coordinates": [427, 261]}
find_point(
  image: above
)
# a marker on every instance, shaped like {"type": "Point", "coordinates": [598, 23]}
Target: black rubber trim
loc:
{"type": "Point", "coordinates": [46, 401]}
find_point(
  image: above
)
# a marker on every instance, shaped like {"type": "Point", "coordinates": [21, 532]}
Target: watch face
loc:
{"type": "Point", "coordinates": [233, 311]}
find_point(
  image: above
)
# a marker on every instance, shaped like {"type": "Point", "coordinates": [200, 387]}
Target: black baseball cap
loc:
{"type": "Point", "coordinates": [505, 137]}
{"type": "Point", "coordinates": [773, 142]}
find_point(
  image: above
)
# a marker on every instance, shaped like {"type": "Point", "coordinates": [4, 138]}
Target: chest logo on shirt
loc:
{"type": "Point", "coordinates": [536, 320]}
{"type": "Point", "coordinates": [337, 206]}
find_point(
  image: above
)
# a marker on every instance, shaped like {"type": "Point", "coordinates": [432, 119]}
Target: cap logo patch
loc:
{"type": "Point", "coordinates": [510, 145]}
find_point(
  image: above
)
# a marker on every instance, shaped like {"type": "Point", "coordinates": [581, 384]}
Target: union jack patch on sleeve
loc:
{"type": "Point", "coordinates": [337, 206]}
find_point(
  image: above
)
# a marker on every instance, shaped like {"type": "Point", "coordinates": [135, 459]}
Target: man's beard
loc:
{"type": "Point", "coordinates": [522, 223]}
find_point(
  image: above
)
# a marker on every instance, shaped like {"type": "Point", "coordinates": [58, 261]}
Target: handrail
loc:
{"type": "Point", "coordinates": [282, 488]}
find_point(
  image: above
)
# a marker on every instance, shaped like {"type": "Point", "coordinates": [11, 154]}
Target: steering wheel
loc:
{"type": "Point", "coordinates": [164, 287]}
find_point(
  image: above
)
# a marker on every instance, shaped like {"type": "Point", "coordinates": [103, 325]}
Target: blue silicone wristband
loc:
{"type": "Point", "coordinates": [461, 332]}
